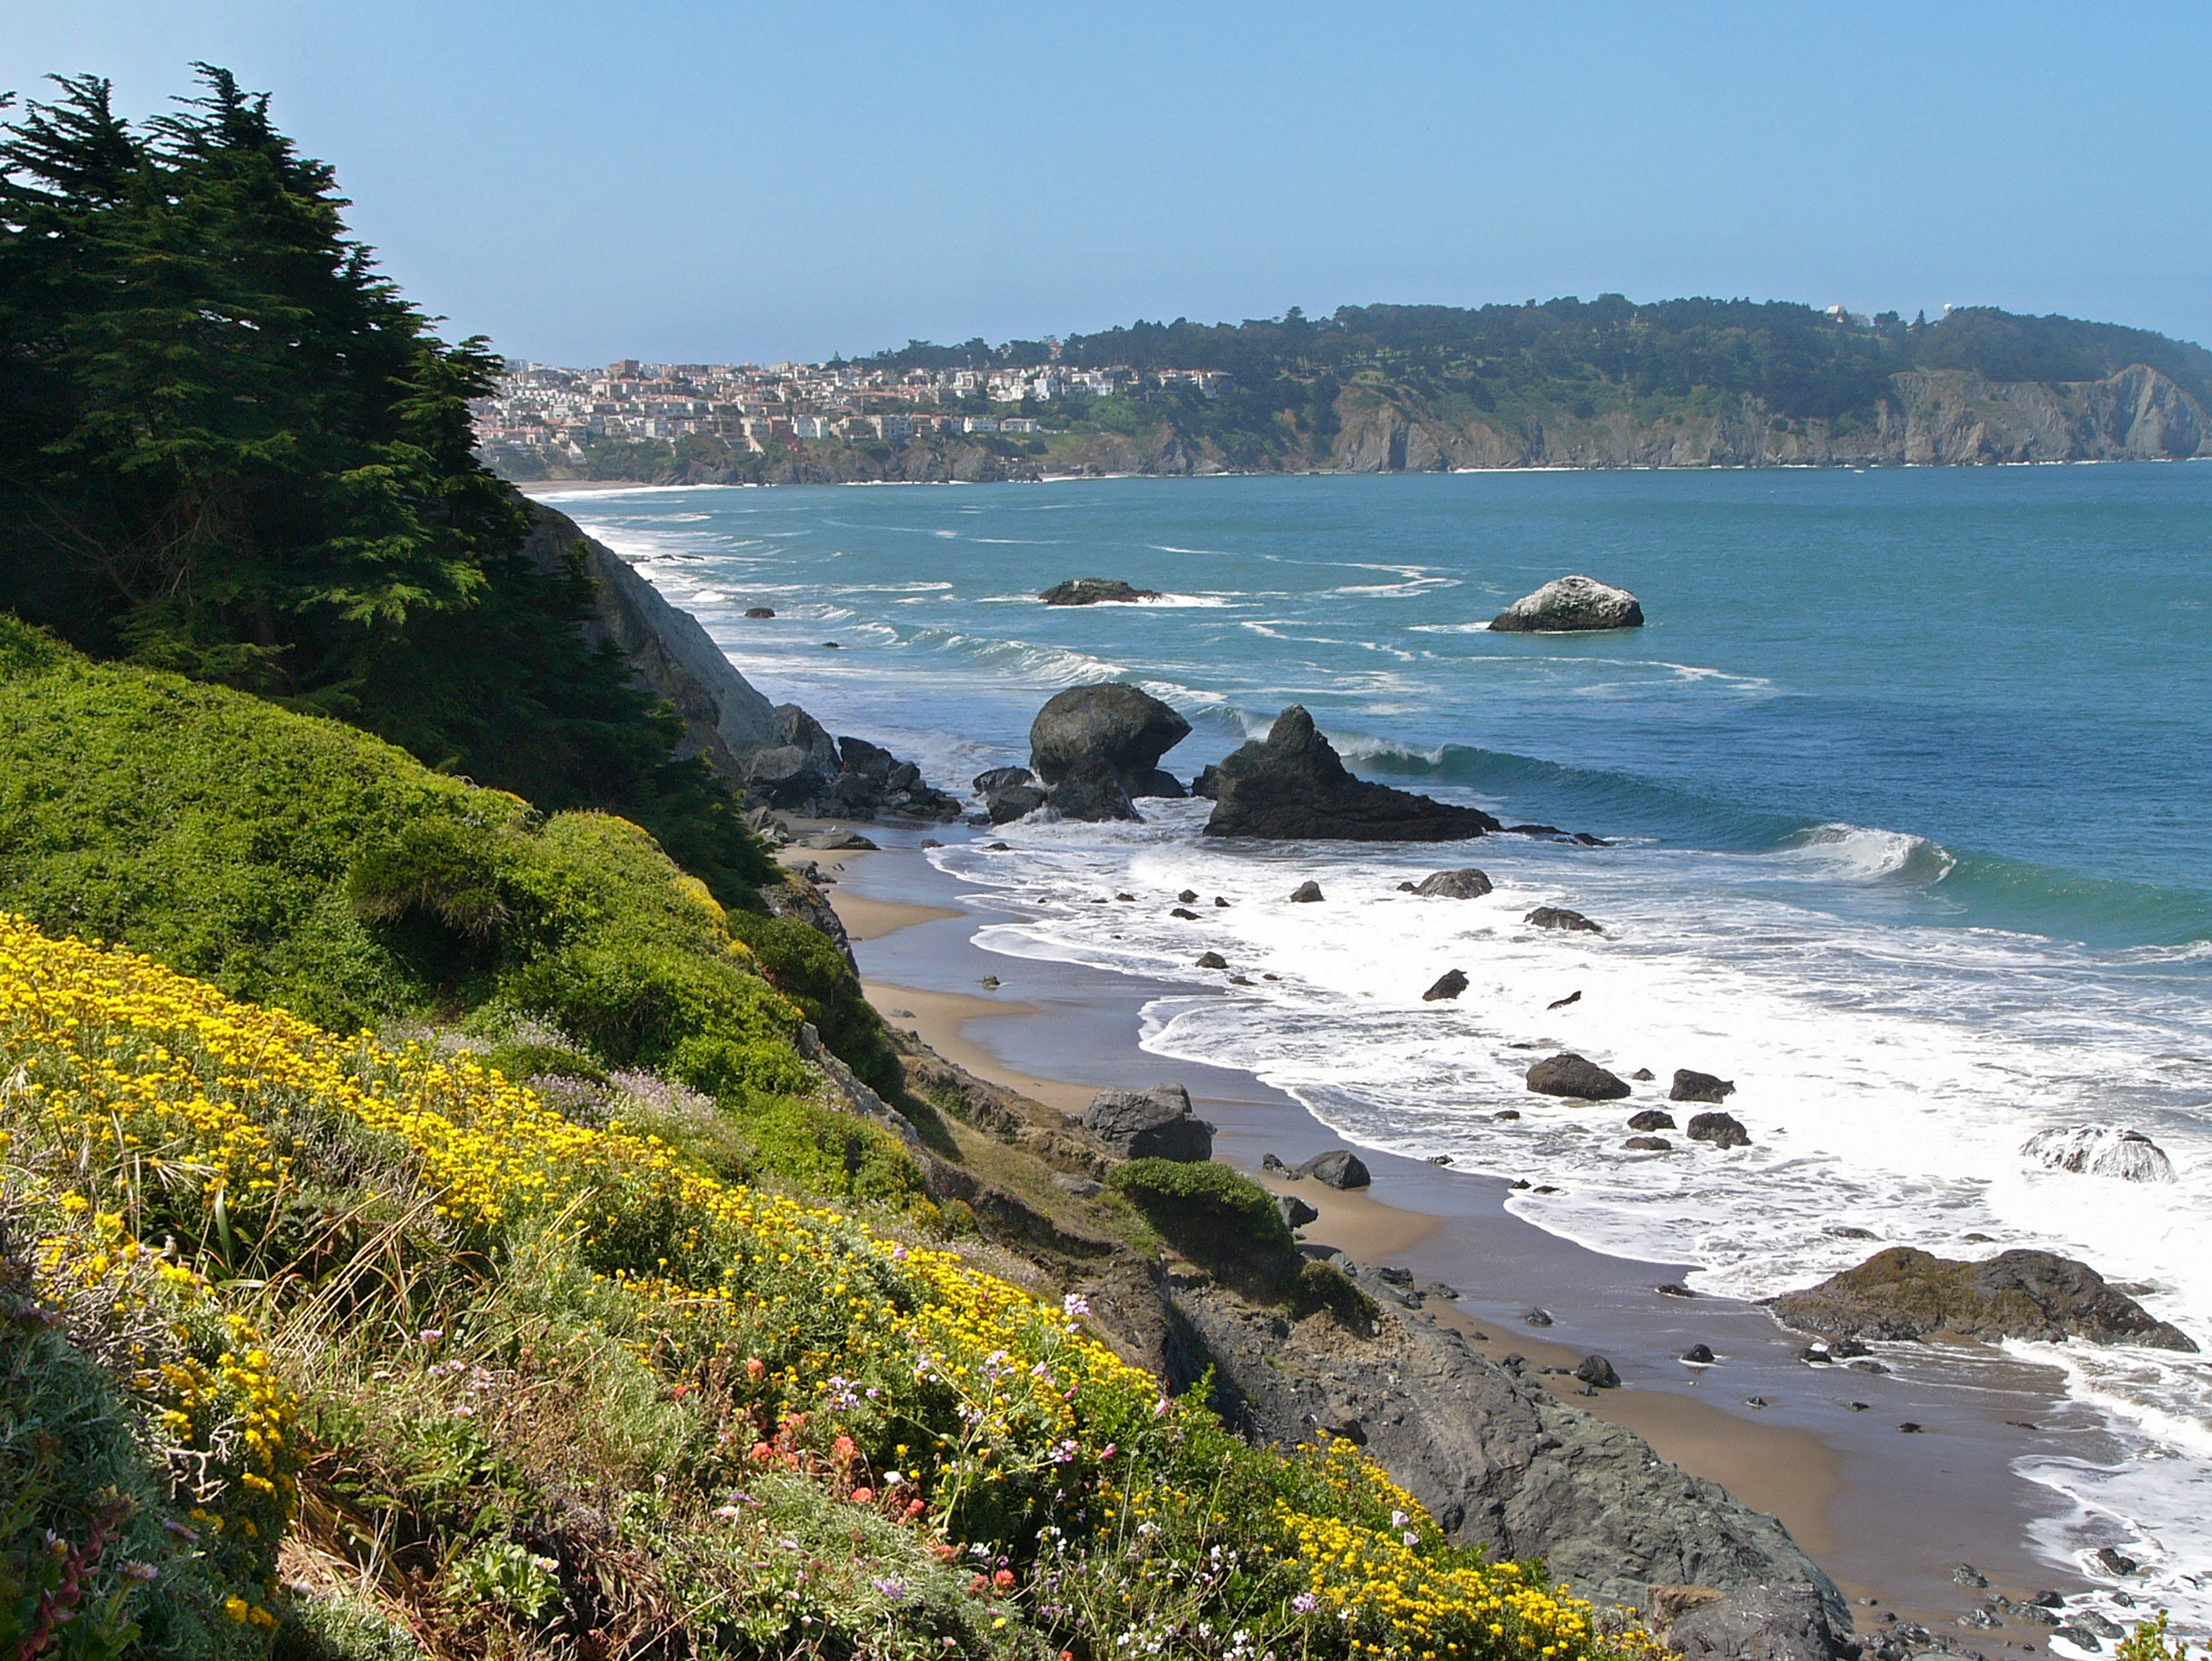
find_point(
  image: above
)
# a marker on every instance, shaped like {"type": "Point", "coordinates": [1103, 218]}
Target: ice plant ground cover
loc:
{"type": "Point", "coordinates": [525, 1378]}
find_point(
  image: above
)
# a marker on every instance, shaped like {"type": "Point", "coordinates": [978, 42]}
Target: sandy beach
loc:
{"type": "Point", "coordinates": [1888, 1516]}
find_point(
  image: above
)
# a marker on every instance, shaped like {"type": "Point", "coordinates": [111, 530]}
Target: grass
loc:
{"type": "Point", "coordinates": [528, 1385]}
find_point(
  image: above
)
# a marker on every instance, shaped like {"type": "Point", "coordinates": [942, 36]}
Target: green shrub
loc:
{"type": "Point", "coordinates": [804, 965]}
{"type": "Point", "coordinates": [520, 1061]}
{"type": "Point", "coordinates": [1212, 1215]}
{"type": "Point", "coordinates": [826, 1152]}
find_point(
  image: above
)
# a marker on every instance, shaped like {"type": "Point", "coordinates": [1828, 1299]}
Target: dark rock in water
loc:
{"type": "Point", "coordinates": [2114, 1561]}
{"type": "Point", "coordinates": [1507, 1113]}
{"type": "Point", "coordinates": [1091, 791]}
{"type": "Point", "coordinates": [1673, 1289]}
{"type": "Point", "coordinates": [1906, 1294]}
{"type": "Point", "coordinates": [1849, 1232]}
{"type": "Point", "coordinates": [997, 847]}
{"type": "Point", "coordinates": [1568, 605]}
{"type": "Point", "coordinates": [1306, 893]}
{"type": "Point", "coordinates": [1154, 782]}
{"type": "Point", "coordinates": [1965, 1574]}
{"type": "Point", "coordinates": [1240, 980]}
{"type": "Point", "coordinates": [1339, 1168]}
{"type": "Point", "coordinates": [1094, 591]}
{"type": "Point", "coordinates": [1721, 1129]}
{"type": "Point", "coordinates": [1538, 1317]}
{"type": "Point", "coordinates": [1642, 1075]}
{"type": "Point", "coordinates": [1518, 1182]}
{"type": "Point", "coordinates": [1465, 885]}
{"type": "Point", "coordinates": [1648, 1144]}
{"type": "Point", "coordinates": [1297, 1213]}
{"type": "Point", "coordinates": [1910, 1427]}
{"type": "Point", "coordinates": [1002, 778]}
{"type": "Point", "coordinates": [1449, 984]}
{"type": "Point", "coordinates": [1184, 912]}
{"type": "Point", "coordinates": [1596, 1370]}
{"type": "Point", "coordinates": [1771, 1622]}
{"type": "Point", "coordinates": [1569, 1075]}
{"type": "Point", "coordinates": [1212, 960]}
{"type": "Point", "coordinates": [2101, 1150]}
{"type": "Point", "coordinates": [1439, 1159]}
{"type": "Point", "coordinates": [756, 612]}
{"type": "Point", "coordinates": [1574, 997]}
{"type": "Point", "coordinates": [929, 842]}
{"type": "Point", "coordinates": [832, 646]}
{"type": "Point", "coordinates": [1698, 1355]}
{"type": "Point", "coordinates": [1009, 793]}
{"type": "Point", "coordinates": [869, 760]}
{"type": "Point", "coordinates": [1188, 897]}
{"type": "Point", "coordinates": [1123, 728]}
{"type": "Point", "coordinates": [1295, 787]}
{"type": "Point", "coordinates": [1652, 1118]}
{"type": "Point", "coordinates": [1207, 783]}
{"type": "Point", "coordinates": [1699, 1087]}
{"type": "Point", "coordinates": [1149, 1125]}
{"type": "Point", "coordinates": [2080, 1636]}
{"type": "Point", "coordinates": [1220, 903]}
{"type": "Point", "coordinates": [1556, 916]}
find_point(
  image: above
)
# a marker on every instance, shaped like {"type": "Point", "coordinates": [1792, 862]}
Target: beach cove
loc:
{"type": "Point", "coordinates": [1758, 920]}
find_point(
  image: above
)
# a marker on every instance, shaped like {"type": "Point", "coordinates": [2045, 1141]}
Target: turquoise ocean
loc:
{"type": "Point", "coordinates": [1908, 782]}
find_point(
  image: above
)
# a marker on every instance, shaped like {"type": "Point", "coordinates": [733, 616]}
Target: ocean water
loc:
{"type": "Point", "coordinates": [1906, 785]}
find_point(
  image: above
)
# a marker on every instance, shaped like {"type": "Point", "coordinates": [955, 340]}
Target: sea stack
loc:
{"type": "Point", "coordinates": [1569, 604]}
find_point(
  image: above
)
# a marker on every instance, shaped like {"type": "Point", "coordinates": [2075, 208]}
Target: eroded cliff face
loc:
{"type": "Point", "coordinates": [1950, 418]}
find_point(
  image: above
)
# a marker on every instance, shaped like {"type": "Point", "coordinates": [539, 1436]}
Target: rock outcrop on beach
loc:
{"type": "Point", "coordinates": [1009, 793]}
{"type": "Point", "coordinates": [1569, 1075]}
{"type": "Point", "coordinates": [1149, 1125]}
{"type": "Point", "coordinates": [1767, 1622]}
{"type": "Point", "coordinates": [1338, 1168]}
{"type": "Point", "coordinates": [1093, 791]}
{"type": "Point", "coordinates": [812, 774]}
{"type": "Point", "coordinates": [1094, 591]}
{"type": "Point", "coordinates": [1111, 727]}
{"type": "Point", "coordinates": [2101, 1150]}
{"type": "Point", "coordinates": [1294, 786]}
{"type": "Point", "coordinates": [1906, 1294]}
{"type": "Point", "coordinates": [1571, 604]}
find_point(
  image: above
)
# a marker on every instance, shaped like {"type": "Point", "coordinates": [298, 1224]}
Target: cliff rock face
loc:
{"type": "Point", "coordinates": [724, 715]}
{"type": "Point", "coordinates": [1945, 418]}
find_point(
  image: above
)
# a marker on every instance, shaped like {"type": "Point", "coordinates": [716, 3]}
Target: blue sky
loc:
{"type": "Point", "coordinates": [730, 181]}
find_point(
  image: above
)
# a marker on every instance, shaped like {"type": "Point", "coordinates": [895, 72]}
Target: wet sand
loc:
{"type": "Point", "coordinates": [1886, 1515]}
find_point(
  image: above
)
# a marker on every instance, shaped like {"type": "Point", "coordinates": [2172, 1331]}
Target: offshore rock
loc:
{"type": "Point", "coordinates": [1092, 790]}
{"type": "Point", "coordinates": [1569, 604]}
{"type": "Point", "coordinates": [1905, 1293]}
{"type": "Point", "coordinates": [2101, 1150]}
{"type": "Point", "coordinates": [1120, 726]}
{"type": "Point", "coordinates": [1154, 782]}
{"type": "Point", "coordinates": [1558, 916]}
{"type": "Point", "coordinates": [1449, 984]}
{"type": "Point", "coordinates": [1569, 1075]}
{"type": "Point", "coordinates": [1295, 787]}
{"type": "Point", "coordinates": [1149, 1125]}
{"type": "Point", "coordinates": [1652, 1118]}
{"type": "Point", "coordinates": [1009, 793]}
{"type": "Point", "coordinates": [1691, 1086]}
{"type": "Point", "coordinates": [1721, 1129]}
{"type": "Point", "coordinates": [1207, 783]}
{"type": "Point", "coordinates": [1306, 893]}
{"type": "Point", "coordinates": [1094, 591]}
{"type": "Point", "coordinates": [1467, 885]}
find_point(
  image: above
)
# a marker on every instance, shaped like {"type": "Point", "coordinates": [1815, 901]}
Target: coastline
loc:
{"type": "Point", "coordinates": [1888, 1515]}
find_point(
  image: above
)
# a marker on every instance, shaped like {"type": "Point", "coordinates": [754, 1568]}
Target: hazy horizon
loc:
{"type": "Point", "coordinates": [743, 183]}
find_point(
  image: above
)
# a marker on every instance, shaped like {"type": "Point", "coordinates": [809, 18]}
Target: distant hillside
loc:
{"type": "Point", "coordinates": [1607, 382]}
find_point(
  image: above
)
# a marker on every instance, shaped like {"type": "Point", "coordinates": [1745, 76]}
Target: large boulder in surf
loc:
{"type": "Point", "coordinates": [1295, 788]}
{"type": "Point", "coordinates": [1092, 790]}
{"type": "Point", "coordinates": [1117, 725]}
{"type": "Point", "coordinates": [1906, 1293]}
{"type": "Point", "coordinates": [1149, 1125]}
{"type": "Point", "coordinates": [1009, 793]}
{"type": "Point", "coordinates": [1691, 1085]}
{"type": "Point", "coordinates": [2101, 1149]}
{"type": "Point", "coordinates": [1467, 885]}
{"type": "Point", "coordinates": [1571, 604]}
{"type": "Point", "coordinates": [1094, 591]}
{"type": "Point", "coordinates": [1569, 1075]}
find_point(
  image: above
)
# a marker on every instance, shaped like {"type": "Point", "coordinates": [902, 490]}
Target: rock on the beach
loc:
{"type": "Point", "coordinates": [1691, 1086]}
{"type": "Point", "coordinates": [1149, 1125]}
{"type": "Point", "coordinates": [1782, 1622]}
{"type": "Point", "coordinates": [1297, 1213]}
{"type": "Point", "coordinates": [1295, 787]}
{"type": "Point", "coordinates": [1906, 1294]}
{"type": "Point", "coordinates": [1596, 1370]}
{"type": "Point", "coordinates": [1570, 604]}
{"type": "Point", "coordinates": [2101, 1150]}
{"type": "Point", "coordinates": [1652, 1118]}
{"type": "Point", "coordinates": [1558, 916]}
{"type": "Point", "coordinates": [1338, 1168]}
{"type": "Point", "coordinates": [1569, 1075]}
{"type": "Point", "coordinates": [1721, 1129]}
{"type": "Point", "coordinates": [1091, 791]}
{"type": "Point", "coordinates": [1125, 728]}
{"type": "Point", "coordinates": [1449, 984]}
{"type": "Point", "coordinates": [1465, 885]}
{"type": "Point", "coordinates": [1094, 591]}
{"type": "Point", "coordinates": [1307, 892]}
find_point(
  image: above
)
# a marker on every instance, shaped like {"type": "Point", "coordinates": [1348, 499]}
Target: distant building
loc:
{"type": "Point", "coordinates": [1018, 425]}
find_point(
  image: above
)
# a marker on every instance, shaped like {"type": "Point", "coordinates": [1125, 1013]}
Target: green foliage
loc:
{"type": "Point", "coordinates": [814, 974]}
{"type": "Point", "coordinates": [822, 1151]}
{"type": "Point", "coordinates": [1212, 1215]}
{"type": "Point", "coordinates": [2151, 1641]}
{"type": "Point", "coordinates": [228, 448]}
